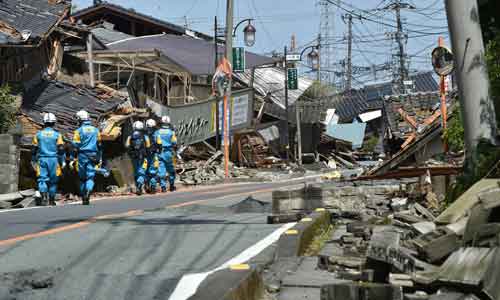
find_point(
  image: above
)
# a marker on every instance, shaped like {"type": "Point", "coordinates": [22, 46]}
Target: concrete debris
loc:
{"type": "Point", "coordinates": [21, 199]}
{"type": "Point", "coordinates": [391, 241]}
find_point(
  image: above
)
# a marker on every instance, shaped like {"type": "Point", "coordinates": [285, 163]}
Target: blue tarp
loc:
{"type": "Point", "coordinates": [353, 133]}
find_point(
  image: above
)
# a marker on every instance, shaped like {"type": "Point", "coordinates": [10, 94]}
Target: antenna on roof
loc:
{"type": "Point", "coordinates": [97, 2]}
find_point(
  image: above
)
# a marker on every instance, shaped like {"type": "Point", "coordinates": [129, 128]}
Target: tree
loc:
{"type": "Point", "coordinates": [7, 109]}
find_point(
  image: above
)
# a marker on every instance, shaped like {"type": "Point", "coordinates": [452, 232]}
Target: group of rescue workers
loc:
{"type": "Point", "coordinates": [151, 152]}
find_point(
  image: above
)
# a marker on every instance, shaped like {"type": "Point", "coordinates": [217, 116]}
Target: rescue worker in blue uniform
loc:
{"type": "Point", "coordinates": [48, 159]}
{"type": "Point", "coordinates": [166, 141]}
{"type": "Point", "coordinates": [139, 146]}
{"type": "Point", "coordinates": [152, 157]}
{"type": "Point", "coordinates": [87, 145]}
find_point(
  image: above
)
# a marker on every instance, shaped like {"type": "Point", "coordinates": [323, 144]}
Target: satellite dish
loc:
{"type": "Point", "coordinates": [443, 61]}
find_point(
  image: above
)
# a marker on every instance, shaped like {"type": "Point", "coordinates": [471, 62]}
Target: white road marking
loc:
{"type": "Point", "coordinates": [187, 286]}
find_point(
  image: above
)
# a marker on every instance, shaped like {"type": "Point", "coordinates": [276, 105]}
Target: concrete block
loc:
{"type": "Point", "coordinates": [361, 291]}
{"type": "Point", "coordinates": [11, 197]}
{"type": "Point", "coordinates": [437, 244]}
{"type": "Point", "coordinates": [6, 139]}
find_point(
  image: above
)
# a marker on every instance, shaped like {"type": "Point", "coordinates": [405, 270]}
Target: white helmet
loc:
{"type": "Point", "coordinates": [82, 116]}
{"type": "Point", "coordinates": [49, 118]}
{"type": "Point", "coordinates": [150, 123]}
{"type": "Point", "coordinates": [165, 120]}
{"type": "Point", "coordinates": [138, 125]}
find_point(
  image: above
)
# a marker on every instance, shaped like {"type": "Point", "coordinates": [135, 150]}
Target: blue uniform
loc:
{"type": "Point", "coordinates": [165, 139]}
{"type": "Point", "coordinates": [139, 145]}
{"type": "Point", "coordinates": [48, 157]}
{"type": "Point", "coordinates": [153, 165]}
{"type": "Point", "coordinates": [88, 146]}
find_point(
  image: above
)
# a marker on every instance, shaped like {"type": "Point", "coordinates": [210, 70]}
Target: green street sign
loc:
{"type": "Point", "coordinates": [238, 59]}
{"type": "Point", "coordinates": [293, 79]}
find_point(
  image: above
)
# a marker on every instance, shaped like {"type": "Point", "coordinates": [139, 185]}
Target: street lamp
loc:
{"type": "Point", "coordinates": [312, 57]}
{"type": "Point", "coordinates": [249, 32]}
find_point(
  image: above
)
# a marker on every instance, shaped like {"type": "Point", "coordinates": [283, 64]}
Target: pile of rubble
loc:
{"type": "Point", "coordinates": [20, 199]}
{"type": "Point", "coordinates": [395, 246]}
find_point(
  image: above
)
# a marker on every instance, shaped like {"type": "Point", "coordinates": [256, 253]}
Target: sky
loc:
{"type": "Point", "coordinates": [277, 20]}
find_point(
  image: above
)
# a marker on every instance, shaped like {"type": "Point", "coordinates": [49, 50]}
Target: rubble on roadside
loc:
{"type": "Point", "coordinates": [390, 244]}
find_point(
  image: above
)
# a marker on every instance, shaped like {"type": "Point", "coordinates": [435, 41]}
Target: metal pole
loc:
{"type": "Point", "coordinates": [318, 75]}
{"type": "Point", "coordinates": [349, 56]}
{"type": "Point", "coordinates": [217, 115]}
{"type": "Point", "coordinates": [478, 110]}
{"type": "Point", "coordinates": [442, 89]}
{"type": "Point", "coordinates": [91, 59]}
{"type": "Point", "coordinates": [227, 96]}
{"type": "Point", "coordinates": [287, 129]}
{"type": "Point", "coordinates": [402, 63]}
{"type": "Point", "coordinates": [299, 133]}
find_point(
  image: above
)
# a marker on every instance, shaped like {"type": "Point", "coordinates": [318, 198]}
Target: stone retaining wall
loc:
{"type": "Point", "coordinates": [9, 164]}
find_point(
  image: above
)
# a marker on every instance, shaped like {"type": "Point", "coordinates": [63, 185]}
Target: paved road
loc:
{"type": "Point", "coordinates": [130, 248]}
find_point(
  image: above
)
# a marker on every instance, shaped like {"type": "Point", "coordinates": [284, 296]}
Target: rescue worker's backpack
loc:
{"type": "Point", "coordinates": [137, 148]}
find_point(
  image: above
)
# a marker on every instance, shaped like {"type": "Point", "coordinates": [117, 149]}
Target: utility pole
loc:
{"type": "Point", "coordinates": [477, 107]}
{"type": "Point", "coordinates": [227, 96]}
{"type": "Point", "coordinates": [287, 129]}
{"type": "Point", "coordinates": [216, 64]}
{"type": "Point", "coordinates": [320, 53]}
{"type": "Point", "coordinates": [348, 84]}
{"type": "Point", "coordinates": [397, 5]}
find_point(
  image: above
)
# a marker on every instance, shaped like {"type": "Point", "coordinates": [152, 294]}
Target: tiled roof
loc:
{"type": "Point", "coordinates": [171, 27]}
{"type": "Point", "coordinates": [35, 17]}
{"type": "Point", "coordinates": [194, 55]}
{"type": "Point", "coordinates": [108, 35]}
{"type": "Point", "coordinates": [371, 96]}
{"type": "Point", "coordinates": [64, 100]}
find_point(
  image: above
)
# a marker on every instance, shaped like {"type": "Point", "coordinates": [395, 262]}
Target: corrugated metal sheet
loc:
{"type": "Point", "coordinates": [64, 100]}
{"type": "Point", "coordinates": [37, 16]}
{"type": "Point", "coordinates": [194, 55]}
{"type": "Point", "coordinates": [272, 81]}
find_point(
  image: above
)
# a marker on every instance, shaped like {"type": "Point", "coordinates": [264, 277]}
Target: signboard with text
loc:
{"type": "Point", "coordinates": [293, 79]}
{"type": "Point", "coordinates": [238, 59]}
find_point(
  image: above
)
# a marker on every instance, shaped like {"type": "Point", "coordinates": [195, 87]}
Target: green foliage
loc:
{"type": "Point", "coordinates": [454, 133]}
{"type": "Point", "coordinates": [7, 109]}
{"type": "Point", "coordinates": [493, 61]}
{"type": "Point", "coordinates": [370, 144]}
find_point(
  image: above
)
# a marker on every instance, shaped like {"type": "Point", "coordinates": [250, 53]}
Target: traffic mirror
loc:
{"type": "Point", "coordinates": [443, 61]}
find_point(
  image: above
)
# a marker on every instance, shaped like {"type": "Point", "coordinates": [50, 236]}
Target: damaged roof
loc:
{"type": "Point", "coordinates": [196, 56]}
{"type": "Point", "coordinates": [271, 81]}
{"type": "Point", "coordinates": [371, 96]}
{"type": "Point", "coordinates": [64, 100]}
{"type": "Point", "coordinates": [105, 8]}
{"type": "Point", "coordinates": [25, 21]}
{"type": "Point", "coordinates": [107, 34]}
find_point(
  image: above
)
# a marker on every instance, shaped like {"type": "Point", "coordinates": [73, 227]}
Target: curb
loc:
{"type": "Point", "coordinates": [240, 282]}
{"type": "Point", "coordinates": [245, 282]}
{"type": "Point", "coordinates": [295, 241]}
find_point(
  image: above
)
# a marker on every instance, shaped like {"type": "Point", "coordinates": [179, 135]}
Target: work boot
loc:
{"type": "Point", "coordinates": [163, 189]}
{"type": "Point", "coordinates": [138, 191]}
{"type": "Point", "coordinates": [45, 198]}
{"type": "Point", "coordinates": [172, 188]}
{"type": "Point", "coordinates": [52, 201]}
{"type": "Point", "coordinates": [86, 198]}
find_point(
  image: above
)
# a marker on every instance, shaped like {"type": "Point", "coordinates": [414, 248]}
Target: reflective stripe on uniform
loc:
{"type": "Point", "coordinates": [145, 164]}
{"type": "Point", "coordinates": [76, 137]}
{"type": "Point", "coordinates": [58, 170]}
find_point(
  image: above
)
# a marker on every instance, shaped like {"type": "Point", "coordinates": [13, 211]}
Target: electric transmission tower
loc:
{"type": "Point", "coordinates": [326, 42]}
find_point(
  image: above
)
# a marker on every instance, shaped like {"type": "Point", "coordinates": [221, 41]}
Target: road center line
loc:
{"type": "Point", "coordinates": [189, 283]}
